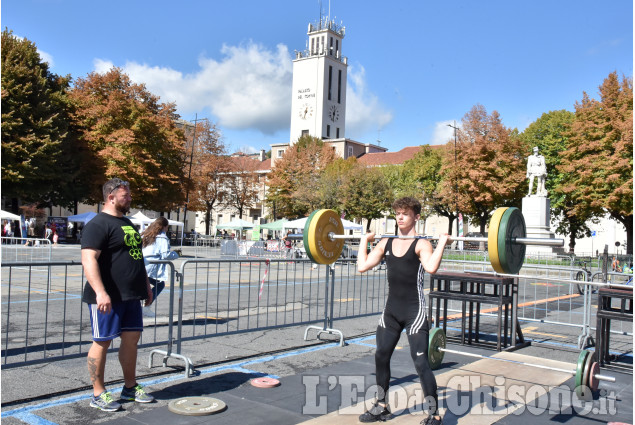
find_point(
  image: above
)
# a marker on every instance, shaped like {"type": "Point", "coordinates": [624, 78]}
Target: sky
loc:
{"type": "Point", "coordinates": [415, 66]}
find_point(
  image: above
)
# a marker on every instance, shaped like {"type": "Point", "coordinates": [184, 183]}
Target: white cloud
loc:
{"type": "Point", "coordinates": [364, 112]}
{"type": "Point", "coordinates": [443, 133]}
{"type": "Point", "coordinates": [46, 57]}
{"type": "Point", "coordinates": [249, 88]}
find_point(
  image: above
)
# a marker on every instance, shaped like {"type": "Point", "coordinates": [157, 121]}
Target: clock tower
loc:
{"type": "Point", "coordinates": [318, 104]}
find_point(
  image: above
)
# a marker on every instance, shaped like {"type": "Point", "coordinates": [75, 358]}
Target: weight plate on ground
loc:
{"type": "Point", "coordinates": [492, 239]}
{"type": "Point", "coordinates": [579, 372]}
{"type": "Point", "coordinates": [593, 381]}
{"type": "Point", "coordinates": [305, 235]}
{"type": "Point", "coordinates": [265, 382]}
{"type": "Point", "coordinates": [196, 406]}
{"type": "Point", "coordinates": [323, 249]}
{"type": "Point", "coordinates": [511, 255]}
{"type": "Point", "coordinates": [436, 340]}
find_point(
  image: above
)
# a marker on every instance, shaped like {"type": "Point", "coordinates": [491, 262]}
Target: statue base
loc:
{"type": "Point", "coordinates": [537, 213]}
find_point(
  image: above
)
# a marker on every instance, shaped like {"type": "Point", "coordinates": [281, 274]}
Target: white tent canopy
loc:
{"type": "Point", "coordinates": [8, 216]}
{"type": "Point", "coordinates": [83, 217]}
{"type": "Point", "coordinates": [299, 224]}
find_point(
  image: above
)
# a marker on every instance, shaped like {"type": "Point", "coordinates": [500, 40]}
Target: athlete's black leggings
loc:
{"type": "Point", "coordinates": [386, 342]}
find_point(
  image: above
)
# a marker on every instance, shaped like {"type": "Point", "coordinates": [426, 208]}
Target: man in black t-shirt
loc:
{"type": "Point", "coordinates": [116, 283]}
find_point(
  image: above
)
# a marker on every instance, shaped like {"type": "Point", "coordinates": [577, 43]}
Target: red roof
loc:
{"type": "Point", "coordinates": [392, 158]}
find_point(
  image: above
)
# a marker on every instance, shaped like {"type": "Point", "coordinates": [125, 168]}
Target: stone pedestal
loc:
{"type": "Point", "coordinates": [537, 214]}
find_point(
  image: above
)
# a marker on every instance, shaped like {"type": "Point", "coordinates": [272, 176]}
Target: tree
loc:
{"type": "Point", "coordinates": [132, 136]}
{"type": "Point", "coordinates": [210, 168]}
{"type": "Point", "coordinates": [294, 180]}
{"type": "Point", "coordinates": [242, 184]}
{"type": "Point", "coordinates": [365, 193]}
{"type": "Point", "coordinates": [549, 134]}
{"type": "Point", "coordinates": [35, 131]}
{"type": "Point", "coordinates": [489, 170]}
{"type": "Point", "coordinates": [599, 154]}
{"type": "Point", "coordinates": [332, 180]}
{"type": "Point", "coordinates": [423, 174]}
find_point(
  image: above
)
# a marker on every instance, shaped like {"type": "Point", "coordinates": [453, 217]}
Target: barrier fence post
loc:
{"type": "Point", "coordinates": [189, 368]}
{"type": "Point", "coordinates": [328, 321]}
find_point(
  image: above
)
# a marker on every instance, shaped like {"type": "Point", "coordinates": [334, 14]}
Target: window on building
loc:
{"type": "Point", "coordinates": [328, 130]}
{"type": "Point", "coordinates": [280, 153]}
{"type": "Point", "coordinates": [337, 48]}
{"type": "Point", "coordinates": [339, 86]}
{"type": "Point", "coordinates": [305, 132]}
{"type": "Point", "coordinates": [331, 46]}
{"type": "Point", "coordinates": [337, 132]}
{"type": "Point", "coordinates": [330, 80]}
{"type": "Point", "coordinates": [313, 46]}
{"type": "Point", "coordinates": [350, 151]}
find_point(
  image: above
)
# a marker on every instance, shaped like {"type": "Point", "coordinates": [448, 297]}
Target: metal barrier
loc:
{"type": "Point", "coordinates": [44, 318]}
{"type": "Point", "coordinates": [25, 250]}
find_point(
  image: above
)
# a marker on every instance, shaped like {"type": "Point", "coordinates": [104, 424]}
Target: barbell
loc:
{"type": "Point", "coordinates": [587, 371]}
{"type": "Point", "coordinates": [324, 237]}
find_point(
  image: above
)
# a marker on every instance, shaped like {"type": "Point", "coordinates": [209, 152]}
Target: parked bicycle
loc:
{"type": "Point", "coordinates": [582, 275]}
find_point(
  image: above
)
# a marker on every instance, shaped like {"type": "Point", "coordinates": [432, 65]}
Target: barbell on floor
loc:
{"type": "Point", "coordinates": [587, 372]}
{"type": "Point", "coordinates": [324, 238]}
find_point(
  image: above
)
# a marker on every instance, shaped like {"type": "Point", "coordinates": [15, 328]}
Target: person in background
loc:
{"type": "Point", "coordinates": [156, 246]}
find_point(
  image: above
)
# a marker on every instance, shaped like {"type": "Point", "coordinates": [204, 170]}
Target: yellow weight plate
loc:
{"type": "Point", "coordinates": [305, 235]}
{"type": "Point", "coordinates": [323, 249]}
{"type": "Point", "coordinates": [492, 239]}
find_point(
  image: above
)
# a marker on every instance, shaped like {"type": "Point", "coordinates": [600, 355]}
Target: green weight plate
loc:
{"type": "Point", "coordinates": [511, 255]}
{"type": "Point", "coordinates": [436, 340]}
{"type": "Point", "coordinates": [579, 371]}
{"type": "Point", "coordinates": [305, 235]}
{"type": "Point", "coordinates": [196, 406]}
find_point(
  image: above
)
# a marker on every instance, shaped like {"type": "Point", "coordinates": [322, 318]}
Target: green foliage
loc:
{"type": "Point", "coordinates": [35, 129]}
{"type": "Point", "coordinates": [550, 134]}
{"type": "Point", "coordinates": [332, 180]}
{"type": "Point", "coordinates": [365, 194]}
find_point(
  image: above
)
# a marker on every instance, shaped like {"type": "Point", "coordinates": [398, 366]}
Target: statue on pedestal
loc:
{"type": "Point", "coordinates": [537, 168]}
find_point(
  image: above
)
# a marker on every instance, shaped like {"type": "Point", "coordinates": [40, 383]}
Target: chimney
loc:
{"type": "Point", "coordinates": [263, 156]}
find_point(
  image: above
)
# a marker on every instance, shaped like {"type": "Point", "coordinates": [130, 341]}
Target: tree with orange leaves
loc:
{"type": "Point", "coordinates": [210, 168]}
{"type": "Point", "coordinates": [294, 181]}
{"type": "Point", "coordinates": [132, 136]}
{"type": "Point", "coordinates": [490, 167]}
{"type": "Point", "coordinates": [598, 159]}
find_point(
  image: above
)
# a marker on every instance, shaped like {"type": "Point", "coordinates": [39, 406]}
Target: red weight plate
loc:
{"type": "Point", "coordinates": [265, 382]}
{"type": "Point", "coordinates": [593, 381]}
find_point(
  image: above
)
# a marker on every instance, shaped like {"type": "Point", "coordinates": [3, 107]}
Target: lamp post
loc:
{"type": "Point", "coordinates": [189, 173]}
{"type": "Point", "coordinates": [455, 185]}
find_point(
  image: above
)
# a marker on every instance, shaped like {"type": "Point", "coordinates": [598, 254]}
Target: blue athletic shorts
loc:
{"type": "Point", "coordinates": [125, 316]}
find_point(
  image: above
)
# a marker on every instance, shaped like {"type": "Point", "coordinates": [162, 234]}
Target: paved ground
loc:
{"type": "Point", "coordinates": [57, 392]}
{"type": "Point", "coordinates": [317, 378]}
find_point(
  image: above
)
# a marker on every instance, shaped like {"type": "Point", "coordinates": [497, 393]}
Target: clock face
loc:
{"type": "Point", "coordinates": [305, 111]}
{"type": "Point", "coordinates": [334, 113]}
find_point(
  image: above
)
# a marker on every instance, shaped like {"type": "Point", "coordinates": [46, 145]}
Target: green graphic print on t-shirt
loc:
{"type": "Point", "coordinates": [133, 240]}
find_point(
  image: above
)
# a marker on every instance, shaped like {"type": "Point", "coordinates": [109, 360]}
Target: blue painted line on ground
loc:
{"type": "Point", "coordinates": [26, 415]}
{"type": "Point", "coordinates": [30, 418]}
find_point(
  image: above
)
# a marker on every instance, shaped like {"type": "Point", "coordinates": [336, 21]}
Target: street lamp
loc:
{"type": "Point", "coordinates": [455, 185]}
{"type": "Point", "coordinates": [189, 173]}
